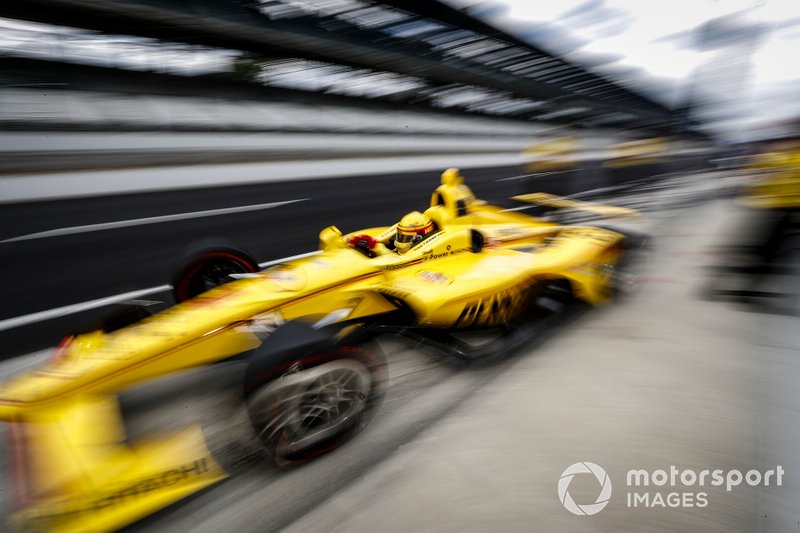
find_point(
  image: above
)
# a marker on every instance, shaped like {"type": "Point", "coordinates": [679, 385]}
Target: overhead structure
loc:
{"type": "Point", "coordinates": [399, 51]}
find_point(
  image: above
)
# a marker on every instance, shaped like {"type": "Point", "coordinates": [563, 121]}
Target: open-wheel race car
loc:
{"type": "Point", "coordinates": [462, 265]}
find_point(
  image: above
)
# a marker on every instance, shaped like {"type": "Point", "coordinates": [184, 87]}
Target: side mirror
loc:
{"type": "Point", "coordinates": [330, 237]}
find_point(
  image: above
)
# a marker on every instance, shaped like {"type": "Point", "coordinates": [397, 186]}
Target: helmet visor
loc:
{"type": "Point", "coordinates": [413, 234]}
{"type": "Point", "coordinates": [407, 236]}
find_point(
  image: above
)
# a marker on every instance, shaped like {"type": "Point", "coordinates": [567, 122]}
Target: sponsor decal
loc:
{"type": "Point", "coordinates": [281, 273]}
{"type": "Point", "coordinates": [150, 484]}
{"type": "Point", "coordinates": [285, 277]}
{"type": "Point", "coordinates": [320, 263]}
{"type": "Point", "coordinates": [438, 256]}
{"type": "Point", "coordinates": [434, 277]}
{"type": "Point", "coordinates": [497, 307]}
{"type": "Point", "coordinates": [446, 253]}
{"type": "Point", "coordinates": [398, 266]}
{"type": "Point", "coordinates": [49, 515]}
{"type": "Point", "coordinates": [429, 240]}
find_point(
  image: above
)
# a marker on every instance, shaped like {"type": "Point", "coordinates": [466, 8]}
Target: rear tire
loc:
{"type": "Point", "coordinates": [207, 266]}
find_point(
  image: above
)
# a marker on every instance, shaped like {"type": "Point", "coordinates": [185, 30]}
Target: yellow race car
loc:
{"type": "Point", "coordinates": [460, 266]}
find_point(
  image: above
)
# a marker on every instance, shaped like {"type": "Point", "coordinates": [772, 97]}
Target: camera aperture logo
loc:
{"type": "Point", "coordinates": [584, 467]}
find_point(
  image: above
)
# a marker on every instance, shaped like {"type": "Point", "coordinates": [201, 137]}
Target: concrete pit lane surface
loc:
{"type": "Point", "coordinates": [662, 381]}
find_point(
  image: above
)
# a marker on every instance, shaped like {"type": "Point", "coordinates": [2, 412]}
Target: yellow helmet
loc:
{"type": "Point", "coordinates": [411, 229]}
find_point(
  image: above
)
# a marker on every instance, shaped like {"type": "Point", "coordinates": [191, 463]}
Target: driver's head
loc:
{"type": "Point", "coordinates": [411, 229]}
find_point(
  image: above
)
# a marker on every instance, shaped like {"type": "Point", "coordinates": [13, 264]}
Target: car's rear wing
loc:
{"type": "Point", "coordinates": [558, 202]}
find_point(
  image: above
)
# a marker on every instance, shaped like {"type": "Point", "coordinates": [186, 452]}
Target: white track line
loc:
{"type": "Point", "coordinates": [517, 177]}
{"type": "Point", "coordinates": [23, 320]}
{"type": "Point", "coordinates": [538, 174]}
{"type": "Point", "coordinates": [290, 258]}
{"type": "Point", "coordinates": [149, 220]}
{"type": "Point", "coordinates": [520, 208]}
{"type": "Point", "coordinates": [11, 323]}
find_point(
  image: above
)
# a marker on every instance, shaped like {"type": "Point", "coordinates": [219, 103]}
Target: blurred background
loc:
{"type": "Point", "coordinates": [131, 129]}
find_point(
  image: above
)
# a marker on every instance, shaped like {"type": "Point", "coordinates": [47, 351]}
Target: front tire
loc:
{"type": "Point", "coordinates": [315, 404]}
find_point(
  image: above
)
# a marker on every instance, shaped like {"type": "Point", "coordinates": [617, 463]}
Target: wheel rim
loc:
{"type": "Point", "coordinates": [306, 408]}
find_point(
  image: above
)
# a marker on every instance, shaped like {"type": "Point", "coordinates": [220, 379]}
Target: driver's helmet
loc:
{"type": "Point", "coordinates": [411, 229]}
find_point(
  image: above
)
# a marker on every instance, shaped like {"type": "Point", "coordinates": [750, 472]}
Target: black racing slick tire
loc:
{"type": "Point", "coordinates": [303, 408]}
{"type": "Point", "coordinates": [209, 265]}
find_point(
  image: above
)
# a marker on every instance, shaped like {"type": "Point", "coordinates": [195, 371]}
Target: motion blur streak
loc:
{"type": "Point", "coordinates": [138, 130]}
